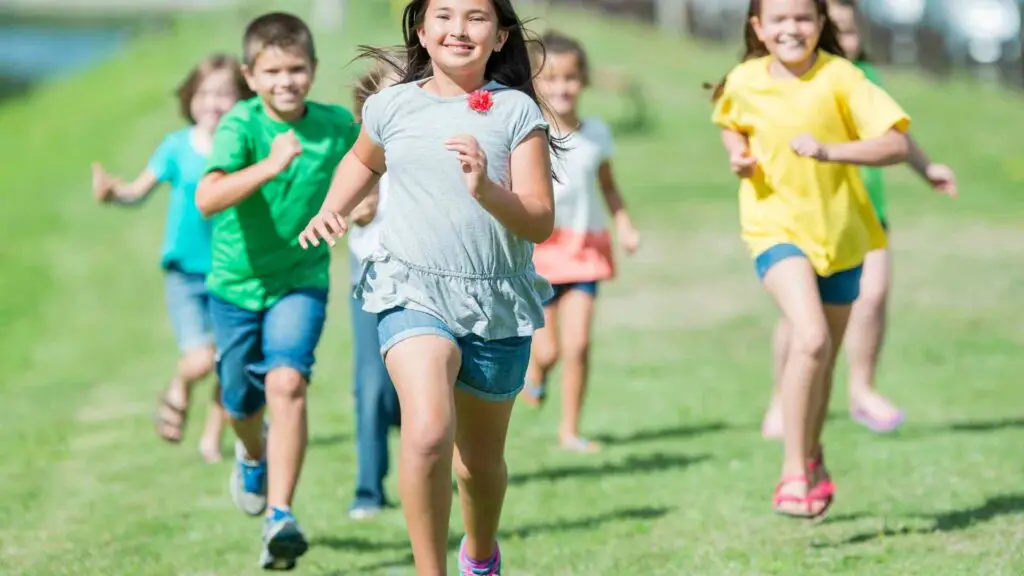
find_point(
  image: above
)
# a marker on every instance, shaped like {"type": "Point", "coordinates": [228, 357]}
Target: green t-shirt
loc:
{"type": "Point", "coordinates": [872, 175]}
{"type": "Point", "coordinates": [256, 257]}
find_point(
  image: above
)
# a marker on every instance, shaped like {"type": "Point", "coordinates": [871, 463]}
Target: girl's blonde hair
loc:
{"type": "Point", "coordinates": [380, 75]}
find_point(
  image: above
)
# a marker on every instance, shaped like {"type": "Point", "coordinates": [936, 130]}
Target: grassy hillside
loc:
{"type": "Point", "coordinates": [681, 359]}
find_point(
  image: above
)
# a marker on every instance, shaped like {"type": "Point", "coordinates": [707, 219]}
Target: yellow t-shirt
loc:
{"type": "Point", "coordinates": [821, 207]}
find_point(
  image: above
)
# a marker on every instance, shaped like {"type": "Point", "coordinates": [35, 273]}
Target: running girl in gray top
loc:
{"type": "Point", "coordinates": [466, 149]}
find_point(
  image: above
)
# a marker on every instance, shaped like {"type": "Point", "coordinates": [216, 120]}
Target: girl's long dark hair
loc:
{"type": "Point", "coordinates": [511, 66]}
{"type": "Point", "coordinates": [754, 48]}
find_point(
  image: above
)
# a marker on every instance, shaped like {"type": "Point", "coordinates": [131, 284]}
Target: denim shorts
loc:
{"type": "Point", "coordinates": [839, 289]}
{"type": "Point", "coordinates": [188, 306]}
{"type": "Point", "coordinates": [494, 370]}
{"type": "Point", "coordinates": [561, 289]}
{"type": "Point", "coordinates": [251, 344]}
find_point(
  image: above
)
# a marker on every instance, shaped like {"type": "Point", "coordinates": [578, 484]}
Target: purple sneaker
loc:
{"type": "Point", "coordinates": [877, 425]}
{"type": "Point", "coordinates": [470, 567]}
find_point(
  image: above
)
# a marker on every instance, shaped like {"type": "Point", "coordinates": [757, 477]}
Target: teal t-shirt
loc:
{"type": "Point", "coordinates": [186, 233]}
{"type": "Point", "coordinates": [873, 179]}
{"type": "Point", "coordinates": [256, 255]}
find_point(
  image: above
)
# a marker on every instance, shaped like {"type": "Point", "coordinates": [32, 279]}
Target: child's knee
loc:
{"type": "Point", "coordinates": [812, 341]}
{"type": "Point", "coordinates": [545, 355]}
{"type": "Point", "coordinates": [285, 383]}
{"type": "Point", "coordinates": [427, 437]}
{"type": "Point", "coordinates": [197, 363]}
{"type": "Point", "coordinates": [575, 350]}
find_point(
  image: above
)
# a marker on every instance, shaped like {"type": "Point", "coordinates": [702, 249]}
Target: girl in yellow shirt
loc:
{"type": "Point", "coordinates": [868, 319]}
{"type": "Point", "coordinates": [797, 120]}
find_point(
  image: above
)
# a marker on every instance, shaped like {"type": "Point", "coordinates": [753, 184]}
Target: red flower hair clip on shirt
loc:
{"type": "Point", "coordinates": [480, 100]}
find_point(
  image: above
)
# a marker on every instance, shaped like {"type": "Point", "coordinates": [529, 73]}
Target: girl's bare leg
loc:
{"type": "Point", "coordinates": [577, 315]}
{"type": "Point", "coordinates": [864, 337]}
{"type": "Point", "coordinates": [793, 284]}
{"type": "Point", "coordinates": [423, 369]}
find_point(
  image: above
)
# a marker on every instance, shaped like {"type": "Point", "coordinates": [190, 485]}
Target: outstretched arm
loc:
{"type": "Point", "coordinates": [109, 188]}
{"type": "Point", "coordinates": [354, 178]}
{"type": "Point", "coordinates": [938, 176]}
{"type": "Point", "coordinates": [628, 236]}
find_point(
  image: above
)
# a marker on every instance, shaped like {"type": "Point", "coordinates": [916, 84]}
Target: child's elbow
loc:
{"type": "Point", "coordinates": [900, 147]}
{"type": "Point", "coordinates": [204, 201]}
{"type": "Point", "coordinates": [544, 229]}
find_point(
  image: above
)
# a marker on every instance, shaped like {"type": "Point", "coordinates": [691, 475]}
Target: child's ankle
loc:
{"type": "Point", "coordinates": [481, 564]}
{"type": "Point", "coordinates": [279, 512]}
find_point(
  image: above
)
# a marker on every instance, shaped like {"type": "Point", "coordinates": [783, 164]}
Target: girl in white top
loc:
{"type": "Point", "coordinates": [466, 149]}
{"type": "Point", "coordinates": [579, 253]}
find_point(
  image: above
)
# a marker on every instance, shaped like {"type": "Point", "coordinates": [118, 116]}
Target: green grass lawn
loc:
{"type": "Point", "coordinates": [681, 361]}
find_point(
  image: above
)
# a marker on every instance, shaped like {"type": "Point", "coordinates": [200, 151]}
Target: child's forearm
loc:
{"type": "Point", "coordinates": [525, 217]}
{"type": "Point", "coordinates": [219, 191]}
{"type": "Point", "coordinates": [886, 150]}
{"type": "Point", "coordinates": [352, 182]}
{"type": "Point", "coordinates": [612, 198]}
{"type": "Point", "coordinates": [129, 193]}
{"type": "Point", "coordinates": [917, 159]}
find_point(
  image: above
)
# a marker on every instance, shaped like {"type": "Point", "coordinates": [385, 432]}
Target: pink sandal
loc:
{"type": "Point", "coordinates": [824, 490]}
{"type": "Point", "coordinates": [779, 498]}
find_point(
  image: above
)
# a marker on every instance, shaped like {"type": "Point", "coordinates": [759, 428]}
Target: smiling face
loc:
{"type": "Point", "coordinates": [560, 82]}
{"type": "Point", "coordinates": [460, 35]}
{"type": "Point", "coordinates": [789, 29]}
{"type": "Point", "coordinates": [214, 96]}
{"type": "Point", "coordinates": [282, 78]}
{"type": "Point", "coordinates": [846, 25]}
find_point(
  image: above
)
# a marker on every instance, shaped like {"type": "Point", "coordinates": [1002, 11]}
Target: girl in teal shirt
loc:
{"type": "Point", "coordinates": [209, 91]}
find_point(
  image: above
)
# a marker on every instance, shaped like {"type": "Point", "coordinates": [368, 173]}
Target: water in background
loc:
{"type": "Point", "coordinates": [30, 53]}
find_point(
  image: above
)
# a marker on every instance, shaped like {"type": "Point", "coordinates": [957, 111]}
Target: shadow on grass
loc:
{"type": "Point", "coordinates": [330, 439]}
{"type": "Point", "coordinates": [521, 532]}
{"type": "Point", "coordinates": [654, 434]}
{"type": "Point", "coordinates": [986, 426]}
{"type": "Point", "coordinates": [953, 521]}
{"type": "Point", "coordinates": [657, 462]}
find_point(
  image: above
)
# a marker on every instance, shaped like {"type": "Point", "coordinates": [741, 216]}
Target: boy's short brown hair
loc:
{"type": "Point", "coordinates": [186, 91]}
{"type": "Point", "coordinates": [277, 30]}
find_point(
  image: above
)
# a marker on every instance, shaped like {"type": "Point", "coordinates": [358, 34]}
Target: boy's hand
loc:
{"type": "Point", "coordinates": [629, 237]}
{"type": "Point", "coordinates": [942, 178]}
{"type": "Point", "coordinates": [326, 225]}
{"type": "Point", "coordinates": [283, 150]}
{"type": "Point", "coordinates": [473, 161]}
{"type": "Point", "coordinates": [806, 145]}
{"type": "Point", "coordinates": [743, 164]}
{"type": "Point", "coordinates": [102, 183]}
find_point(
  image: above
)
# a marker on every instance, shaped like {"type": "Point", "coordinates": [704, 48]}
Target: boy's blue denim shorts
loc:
{"type": "Point", "coordinates": [251, 344]}
{"type": "Point", "coordinates": [188, 306]}
{"type": "Point", "coordinates": [494, 370]}
{"type": "Point", "coordinates": [561, 289]}
{"type": "Point", "coordinates": [839, 289]}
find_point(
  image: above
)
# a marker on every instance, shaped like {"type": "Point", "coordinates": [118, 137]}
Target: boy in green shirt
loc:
{"type": "Point", "coordinates": [272, 162]}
